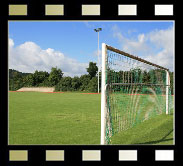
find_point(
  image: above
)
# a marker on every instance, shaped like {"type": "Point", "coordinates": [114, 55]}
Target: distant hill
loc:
{"type": "Point", "coordinates": [16, 79]}
{"type": "Point", "coordinates": [13, 73]}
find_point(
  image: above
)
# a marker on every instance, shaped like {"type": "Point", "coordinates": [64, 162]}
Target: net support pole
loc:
{"type": "Point", "coordinates": [167, 92]}
{"type": "Point", "coordinates": [103, 95]}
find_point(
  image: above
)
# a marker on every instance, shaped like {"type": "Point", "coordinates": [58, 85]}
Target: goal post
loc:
{"type": "Point", "coordinates": [132, 90]}
{"type": "Point", "coordinates": [167, 91]}
{"type": "Point", "coordinates": [103, 94]}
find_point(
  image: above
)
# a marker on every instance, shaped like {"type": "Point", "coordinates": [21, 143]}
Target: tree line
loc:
{"type": "Point", "coordinates": [143, 79]}
{"type": "Point", "coordinates": [87, 82]}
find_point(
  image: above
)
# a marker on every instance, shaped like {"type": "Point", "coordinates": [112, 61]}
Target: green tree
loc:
{"type": "Point", "coordinates": [75, 83]}
{"type": "Point", "coordinates": [84, 79]}
{"type": "Point", "coordinates": [39, 77]}
{"type": "Point", "coordinates": [146, 77]}
{"type": "Point", "coordinates": [55, 76]}
{"type": "Point", "coordinates": [92, 69]}
{"type": "Point", "coordinates": [93, 85]}
{"type": "Point", "coordinates": [29, 80]}
{"type": "Point", "coordinates": [16, 81]}
{"type": "Point", "coordinates": [45, 83]}
{"type": "Point", "coordinates": [64, 84]}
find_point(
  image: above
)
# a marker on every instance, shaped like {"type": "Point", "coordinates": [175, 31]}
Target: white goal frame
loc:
{"type": "Point", "coordinates": [104, 85]}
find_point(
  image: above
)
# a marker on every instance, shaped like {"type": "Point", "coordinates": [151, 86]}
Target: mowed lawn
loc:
{"type": "Point", "coordinates": [54, 118]}
{"type": "Point", "coordinates": [73, 118]}
{"type": "Point", "coordinates": [158, 130]}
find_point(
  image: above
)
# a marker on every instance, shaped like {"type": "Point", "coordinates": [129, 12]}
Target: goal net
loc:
{"type": "Point", "coordinates": [133, 90]}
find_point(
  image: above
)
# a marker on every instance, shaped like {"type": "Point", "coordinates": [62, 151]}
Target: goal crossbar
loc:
{"type": "Point", "coordinates": [134, 57]}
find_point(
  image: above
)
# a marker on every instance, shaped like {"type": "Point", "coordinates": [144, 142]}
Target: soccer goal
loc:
{"type": "Point", "coordinates": [133, 90]}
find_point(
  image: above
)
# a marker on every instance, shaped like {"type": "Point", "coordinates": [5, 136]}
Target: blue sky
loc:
{"type": "Point", "coordinates": [77, 41]}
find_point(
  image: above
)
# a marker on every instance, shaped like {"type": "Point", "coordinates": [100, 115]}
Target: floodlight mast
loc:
{"type": "Point", "coordinates": [98, 30]}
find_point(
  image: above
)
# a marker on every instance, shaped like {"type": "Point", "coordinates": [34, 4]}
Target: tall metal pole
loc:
{"type": "Point", "coordinates": [98, 30]}
{"type": "Point", "coordinates": [98, 61]}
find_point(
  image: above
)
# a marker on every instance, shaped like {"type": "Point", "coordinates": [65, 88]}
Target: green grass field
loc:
{"type": "Point", "coordinates": [157, 131]}
{"type": "Point", "coordinates": [54, 118]}
{"type": "Point", "coordinates": [73, 118]}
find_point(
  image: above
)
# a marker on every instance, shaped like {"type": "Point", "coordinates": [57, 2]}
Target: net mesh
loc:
{"type": "Point", "coordinates": [135, 92]}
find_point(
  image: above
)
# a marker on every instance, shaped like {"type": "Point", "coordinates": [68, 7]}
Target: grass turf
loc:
{"type": "Point", "coordinates": [157, 131]}
{"type": "Point", "coordinates": [73, 118]}
{"type": "Point", "coordinates": [54, 118]}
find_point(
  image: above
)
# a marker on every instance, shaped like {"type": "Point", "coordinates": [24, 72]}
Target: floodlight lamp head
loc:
{"type": "Point", "coordinates": [98, 29]}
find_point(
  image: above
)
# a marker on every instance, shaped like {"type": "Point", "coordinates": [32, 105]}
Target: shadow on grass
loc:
{"type": "Point", "coordinates": [160, 140]}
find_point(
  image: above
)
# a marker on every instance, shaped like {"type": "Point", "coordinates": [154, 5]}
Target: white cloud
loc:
{"type": "Point", "coordinates": [94, 57]}
{"type": "Point", "coordinates": [164, 41]}
{"type": "Point", "coordinates": [156, 46]}
{"type": "Point", "coordinates": [11, 43]}
{"type": "Point", "coordinates": [135, 46]}
{"type": "Point", "coordinates": [162, 38]}
{"type": "Point", "coordinates": [29, 57]}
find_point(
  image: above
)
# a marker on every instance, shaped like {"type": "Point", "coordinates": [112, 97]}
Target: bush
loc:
{"type": "Point", "coordinates": [76, 83]}
{"type": "Point", "coordinates": [93, 85]}
{"type": "Point", "coordinates": [84, 80]}
{"type": "Point", "coordinates": [64, 84]}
